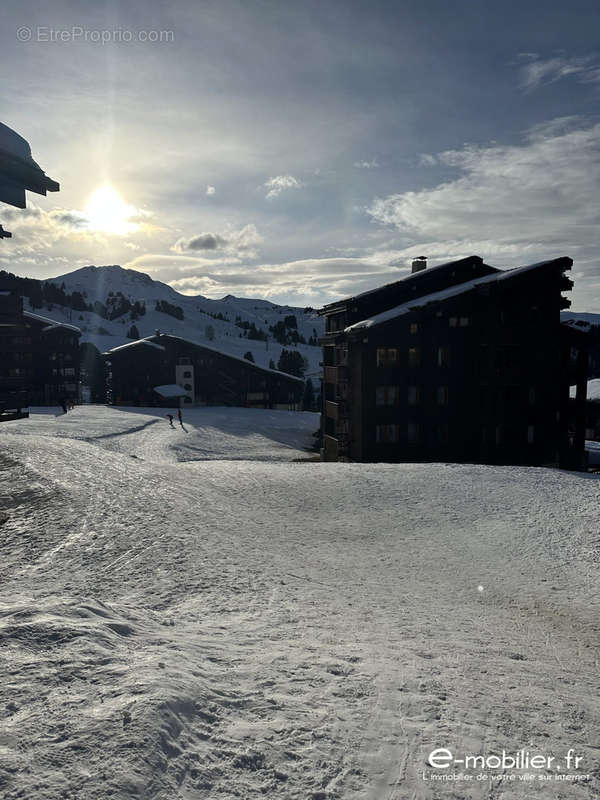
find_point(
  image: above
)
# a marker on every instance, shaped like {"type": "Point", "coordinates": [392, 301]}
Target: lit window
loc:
{"type": "Point", "coordinates": [442, 395]}
{"type": "Point", "coordinates": [453, 321]}
{"type": "Point", "coordinates": [414, 328]}
{"type": "Point", "coordinates": [463, 322]}
{"type": "Point", "coordinates": [442, 356]}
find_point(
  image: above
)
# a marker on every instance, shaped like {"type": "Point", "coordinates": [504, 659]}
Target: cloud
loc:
{"type": "Point", "coordinates": [539, 197]}
{"type": "Point", "coordinates": [232, 242]}
{"type": "Point", "coordinates": [203, 241]}
{"type": "Point", "coordinates": [210, 190]}
{"type": "Point", "coordinates": [427, 160]}
{"type": "Point", "coordinates": [373, 164]}
{"type": "Point", "coordinates": [539, 71]}
{"type": "Point", "coordinates": [280, 183]}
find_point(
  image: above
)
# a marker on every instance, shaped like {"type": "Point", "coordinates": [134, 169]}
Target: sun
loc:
{"type": "Point", "coordinates": [108, 212]}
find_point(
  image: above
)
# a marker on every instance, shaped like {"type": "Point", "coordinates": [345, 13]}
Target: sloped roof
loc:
{"type": "Point", "coordinates": [204, 346]}
{"type": "Point", "coordinates": [18, 170]}
{"type": "Point", "coordinates": [51, 323]}
{"type": "Point", "coordinates": [170, 390]}
{"type": "Point", "coordinates": [452, 291]}
{"type": "Point", "coordinates": [413, 277]}
{"type": "Point", "coordinates": [147, 341]}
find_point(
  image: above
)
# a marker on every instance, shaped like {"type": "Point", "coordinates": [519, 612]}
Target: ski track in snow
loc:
{"type": "Point", "coordinates": [192, 615]}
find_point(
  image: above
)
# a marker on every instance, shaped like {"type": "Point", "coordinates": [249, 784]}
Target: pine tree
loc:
{"type": "Point", "coordinates": [308, 400]}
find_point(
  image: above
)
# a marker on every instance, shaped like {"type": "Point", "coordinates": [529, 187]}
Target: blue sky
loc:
{"type": "Point", "coordinates": [305, 151]}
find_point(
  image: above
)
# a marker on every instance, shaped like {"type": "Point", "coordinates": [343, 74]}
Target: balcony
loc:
{"type": "Point", "coordinates": [331, 410]}
{"type": "Point", "coordinates": [335, 374]}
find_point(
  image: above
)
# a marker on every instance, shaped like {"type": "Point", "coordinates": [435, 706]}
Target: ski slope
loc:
{"type": "Point", "coordinates": [199, 614]}
{"type": "Point", "coordinates": [98, 283]}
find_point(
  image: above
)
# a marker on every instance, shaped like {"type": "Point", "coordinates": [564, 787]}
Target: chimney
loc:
{"type": "Point", "coordinates": [419, 264]}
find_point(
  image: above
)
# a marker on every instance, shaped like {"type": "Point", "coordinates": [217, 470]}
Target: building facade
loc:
{"type": "Point", "coordinates": [461, 362]}
{"type": "Point", "coordinates": [39, 357]}
{"type": "Point", "coordinates": [204, 375]}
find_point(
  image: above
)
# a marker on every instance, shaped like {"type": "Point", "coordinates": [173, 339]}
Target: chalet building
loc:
{"type": "Point", "coordinates": [166, 370]}
{"type": "Point", "coordinates": [461, 362]}
{"type": "Point", "coordinates": [39, 357]}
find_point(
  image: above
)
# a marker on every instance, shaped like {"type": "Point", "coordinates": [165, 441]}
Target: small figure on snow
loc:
{"type": "Point", "coordinates": [170, 418]}
{"type": "Point", "coordinates": [63, 403]}
{"type": "Point", "coordinates": [180, 417]}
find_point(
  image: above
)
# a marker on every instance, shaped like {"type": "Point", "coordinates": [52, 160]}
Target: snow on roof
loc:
{"type": "Point", "coordinates": [444, 294]}
{"type": "Point", "coordinates": [229, 355]}
{"type": "Point", "coordinates": [206, 347]}
{"type": "Point", "coordinates": [170, 390]}
{"type": "Point", "coordinates": [593, 389]}
{"type": "Point", "coordinates": [417, 275]}
{"type": "Point", "coordinates": [145, 341]}
{"type": "Point", "coordinates": [51, 323]}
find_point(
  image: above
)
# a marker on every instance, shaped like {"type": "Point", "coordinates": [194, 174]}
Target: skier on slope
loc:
{"type": "Point", "coordinates": [180, 417]}
{"type": "Point", "coordinates": [170, 418]}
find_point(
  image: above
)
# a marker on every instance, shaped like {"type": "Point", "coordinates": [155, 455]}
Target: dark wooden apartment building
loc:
{"type": "Point", "coordinates": [461, 362]}
{"type": "Point", "coordinates": [166, 370]}
{"type": "Point", "coordinates": [39, 357]}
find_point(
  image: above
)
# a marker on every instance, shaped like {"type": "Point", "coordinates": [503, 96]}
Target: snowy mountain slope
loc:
{"type": "Point", "coordinates": [580, 319]}
{"type": "Point", "coordinates": [97, 283]}
{"type": "Point", "coordinates": [174, 628]}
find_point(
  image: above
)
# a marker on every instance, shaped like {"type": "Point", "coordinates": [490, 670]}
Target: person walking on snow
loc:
{"type": "Point", "coordinates": [180, 417]}
{"type": "Point", "coordinates": [170, 418]}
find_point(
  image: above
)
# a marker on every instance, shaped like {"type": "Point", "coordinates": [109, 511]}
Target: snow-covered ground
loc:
{"type": "Point", "coordinates": [178, 623]}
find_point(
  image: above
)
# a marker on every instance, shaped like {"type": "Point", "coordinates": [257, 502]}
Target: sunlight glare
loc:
{"type": "Point", "coordinates": [108, 212]}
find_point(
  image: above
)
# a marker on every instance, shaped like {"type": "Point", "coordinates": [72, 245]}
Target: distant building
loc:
{"type": "Point", "coordinates": [461, 362]}
{"type": "Point", "coordinates": [39, 357]}
{"type": "Point", "coordinates": [166, 370]}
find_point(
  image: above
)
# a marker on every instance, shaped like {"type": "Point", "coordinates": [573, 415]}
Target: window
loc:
{"type": "Point", "coordinates": [187, 374]}
{"type": "Point", "coordinates": [387, 356]}
{"type": "Point", "coordinates": [414, 356]}
{"type": "Point", "coordinates": [530, 434]}
{"type": "Point", "coordinates": [442, 395]}
{"type": "Point", "coordinates": [453, 321]}
{"type": "Point", "coordinates": [414, 328]}
{"type": "Point", "coordinates": [413, 395]}
{"type": "Point", "coordinates": [413, 433]}
{"type": "Point", "coordinates": [387, 395]}
{"type": "Point", "coordinates": [463, 322]}
{"type": "Point", "coordinates": [443, 433]}
{"type": "Point", "coordinates": [187, 387]}
{"type": "Point", "coordinates": [69, 371]}
{"type": "Point", "coordinates": [442, 357]}
{"type": "Point", "coordinates": [386, 434]}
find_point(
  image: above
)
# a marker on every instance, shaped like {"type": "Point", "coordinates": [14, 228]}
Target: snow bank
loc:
{"type": "Point", "coordinates": [222, 628]}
